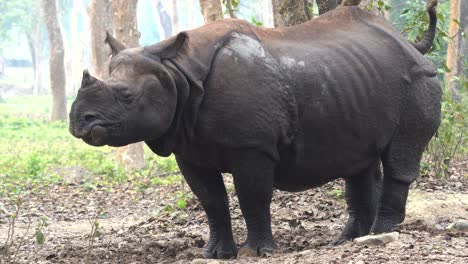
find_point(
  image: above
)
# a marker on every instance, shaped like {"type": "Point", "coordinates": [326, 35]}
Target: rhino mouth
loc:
{"type": "Point", "coordinates": [97, 136]}
{"type": "Point", "coordinates": [102, 133]}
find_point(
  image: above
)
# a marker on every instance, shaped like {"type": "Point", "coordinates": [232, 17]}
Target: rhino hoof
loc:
{"type": "Point", "coordinates": [222, 250]}
{"type": "Point", "coordinates": [263, 249]}
{"type": "Point", "coordinates": [340, 241]}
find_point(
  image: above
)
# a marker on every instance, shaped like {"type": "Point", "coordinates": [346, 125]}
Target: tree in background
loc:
{"type": "Point", "coordinates": [290, 12]}
{"type": "Point", "coordinates": [164, 18]}
{"type": "Point", "coordinates": [457, 47]}
{"type": "Point", "coordinates": [35, 47]}
{"type": "Point", "coordinates": [327, 5]}
{"type": "Point", "coordinates": [125, 25]}
{"type": "Point", "coordinates": [230, 7]}
{"type": "Point", "coordinates": [125, 22]}
{"type": "Point", "coordinates": [100, 14]}
{"type": "Point", "coordinates": [211, 10]}
{"type": "Point", "coordinates": [463, 44]}
{"type": "Point", "coordinates": [175, 17]}
{"type": "Point", "coordinates": [57, 67]}
{"type": "Point", "coordinates": [25, 16]}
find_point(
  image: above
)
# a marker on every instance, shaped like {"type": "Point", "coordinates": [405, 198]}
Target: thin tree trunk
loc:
{"type": "Point", "coordinates": [125, 24]}
{"type": "Point", "coordinates": [211, 10]}
{"type": "Point", "coordinates": [175, 18]}
{"type": "Point", "coordinates": [57, 67]}
{"type": "Point", "coordinates": [463, 41]}
{"type": "Point", "coordinates": [452, 49]}
{"type": "Point", "coordinates": [190, 12]}
{"type": "Point", "coordinates": [100, 15]}
{"type": "Point", "coordinates": [371, 6]}
{"type": "Point", "coordinates": [37, 45]}
{"type": "Point", "coordinates": [268, 17]}
{"type": "Point", "coordinates": [230, 9]}
{"type": "Point", "coordinates": [32, 51]}
{"type": "Point", "coordinates": [165, 19]}
{"type": "Point", "coordinates": [327, 5]}
{"type": "Point", "coordinates": [290, 12]}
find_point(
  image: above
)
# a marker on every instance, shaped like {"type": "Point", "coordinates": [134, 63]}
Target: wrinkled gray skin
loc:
{"type": "Point", "coordinates": [291, 108]}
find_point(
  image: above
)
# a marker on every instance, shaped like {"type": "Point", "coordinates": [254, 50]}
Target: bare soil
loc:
{"type": "Point", "coordinates": [139, 227]}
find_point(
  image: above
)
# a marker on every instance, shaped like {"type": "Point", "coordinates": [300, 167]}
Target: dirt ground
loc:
{"type": "Point", "coordinates": [139, 227]}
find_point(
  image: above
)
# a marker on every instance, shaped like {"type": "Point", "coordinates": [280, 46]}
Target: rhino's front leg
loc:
{"type": "Point", "coordinates": [253, 174]}
{"type": "Point", "coordinates": [208, 186]}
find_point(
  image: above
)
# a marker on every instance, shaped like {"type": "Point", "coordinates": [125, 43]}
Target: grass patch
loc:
{"type": "Point", "coordinates": [35, 152]}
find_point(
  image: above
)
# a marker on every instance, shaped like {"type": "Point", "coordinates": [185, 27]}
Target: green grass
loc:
{"type": "Point", "coordinates": [32, 148]}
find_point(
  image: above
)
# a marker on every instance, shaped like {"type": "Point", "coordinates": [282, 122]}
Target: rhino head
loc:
{"type": "Point", "coordinates": [136, 103]}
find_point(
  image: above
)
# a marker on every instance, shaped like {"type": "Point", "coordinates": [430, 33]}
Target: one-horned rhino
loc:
{"type": "Point", "coordinates": [289, 108]}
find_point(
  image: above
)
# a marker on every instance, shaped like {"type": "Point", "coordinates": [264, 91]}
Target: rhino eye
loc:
{"type": "Point", "coordinates": [126, 100]}
{"type": "Point", "coordinates": [124, 96]}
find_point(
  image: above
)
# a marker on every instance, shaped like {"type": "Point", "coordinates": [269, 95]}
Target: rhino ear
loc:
{"type": "Point", "coordinates": [168, 48]}
{"type": "Point", "coordinates": [87, 79]}
{"type": "Point", "coordinates": [115, 45]}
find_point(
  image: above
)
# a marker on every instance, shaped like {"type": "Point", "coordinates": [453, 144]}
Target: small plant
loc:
{"type": "Point", "coordinates": [14, 243]}
{"type": "Point", "coordinates": [94, 233]}
{"type": "Point", "coordinates": [338, 193]}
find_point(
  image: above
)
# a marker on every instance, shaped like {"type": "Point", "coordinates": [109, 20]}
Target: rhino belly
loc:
{"type": "Point", "coordinates": [331, 145]}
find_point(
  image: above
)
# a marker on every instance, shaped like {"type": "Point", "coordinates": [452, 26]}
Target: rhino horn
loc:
{"type": "Point", "coordinates": [115, 45]}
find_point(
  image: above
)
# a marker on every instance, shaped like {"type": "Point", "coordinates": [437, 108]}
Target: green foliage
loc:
{"type": "Point", "coordinates": [181, 203]}
{"type": "Point", "coordinates": [450, 141]}
{"type": "Point", "coordinates": [235, 9]}
{"type": "Point", "coordinates": [18, 14]}
{"type": "Point", "coordinates": [415, 20]}
{"type": "Point", "coordinates": [380, 5]}
{"type": "Point", "coordinates": [234, 3]}
{"type": "Point", "coordinates": [254, 21]}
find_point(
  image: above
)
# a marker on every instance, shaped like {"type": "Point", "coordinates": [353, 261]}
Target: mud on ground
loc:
{"type": "Point", "coordinates": [141, 227]}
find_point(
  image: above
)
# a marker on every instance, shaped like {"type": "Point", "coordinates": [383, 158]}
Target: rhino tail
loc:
{"type": "Point", "coordinates": [425, 44]}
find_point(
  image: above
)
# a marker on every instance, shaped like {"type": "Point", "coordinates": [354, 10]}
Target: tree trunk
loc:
{"type": "Point", "coordinates": [190, 12]}
{"type": "Point", "coordinates": [175, 18]}
{"type": "Point", "coordinates": [371, 6]}
{"type": "Point", "coordinates": [290, 12]}
{"type": "Point", "coordinates": [56, 61]}
{"type": "Point", "coordinates": [452, 49]}
{"type": "Point", "coordinates": [100, 16]}
{"type": "Point", "coordinates": [37, 45]}
{"type": "Point", "coordinates": [463, 41]}
{"type": "Point", "coordinates": [34, 48]}
{"type": "Point", "coordinates": [327, 5]}
{"type": "Point", "coordinates": [211, 10]}
{"type": "Point", "coordinates": [165, 19]}
{"type": "Point", "coordinates": [125, 24]}
{"type": "Point", "coordinates": [230, 9]}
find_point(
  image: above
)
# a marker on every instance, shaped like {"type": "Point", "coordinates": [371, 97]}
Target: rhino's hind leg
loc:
{"type": "Point", "coordinates": [209, 188]}
{"type": "Point", "coordinates": [402, 156]}
{"type": "Point", "coordinates": [401, 167]}
{"type": "Point", "coordinates": [253, 179]}
{"type": "Point", "coordinates": [362, 192]}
